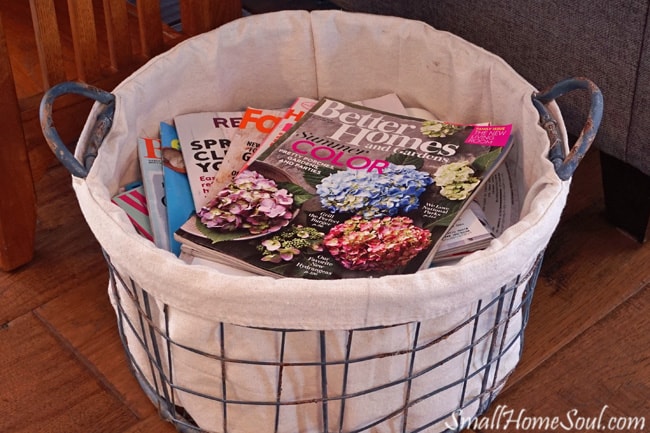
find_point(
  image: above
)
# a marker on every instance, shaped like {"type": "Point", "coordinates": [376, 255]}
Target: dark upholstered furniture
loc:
{"type": "Point", "coordinates": [545, 42]}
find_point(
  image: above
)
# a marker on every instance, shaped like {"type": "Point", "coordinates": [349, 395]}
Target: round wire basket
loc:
{"type": "Point", "coordinates": [425, 352]}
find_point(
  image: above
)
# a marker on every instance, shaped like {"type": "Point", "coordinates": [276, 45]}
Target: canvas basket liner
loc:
{"type": "Point", "coordinates": [266, 61]}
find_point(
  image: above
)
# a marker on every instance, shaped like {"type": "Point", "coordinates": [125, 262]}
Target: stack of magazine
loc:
{"type": "Point", "coordinates": [324, 189]}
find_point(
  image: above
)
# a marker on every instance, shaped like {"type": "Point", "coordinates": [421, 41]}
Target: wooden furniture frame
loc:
{"type": "Point", "coordinates": [99, 42]}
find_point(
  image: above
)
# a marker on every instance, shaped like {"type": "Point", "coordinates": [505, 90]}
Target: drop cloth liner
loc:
{"type": "Point", "coordinates": [266, 61]}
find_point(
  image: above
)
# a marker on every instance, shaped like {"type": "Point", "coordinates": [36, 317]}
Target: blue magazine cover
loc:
{"type": "Point", "coordinates": [180, 204]}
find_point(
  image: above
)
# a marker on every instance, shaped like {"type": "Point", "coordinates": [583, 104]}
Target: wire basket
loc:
{"type": "Point", "coordinates": [425, 352]}
{"type": "Point", "coordinates": [506, 315]}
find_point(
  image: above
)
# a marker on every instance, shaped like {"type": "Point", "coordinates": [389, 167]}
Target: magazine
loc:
{"type": "Point", "coordinates": [204, 139]}
{"type": "Point", "coordinates": [389, 102]}
{"type": "Point", "coordinates": [255, 125]}
{"type": "Point", "coordinates": [178, 195]}
{"type": "Point", "coordinates": [299, 107]}
{"type": "Point", "coordinates": [259, 128]}
{"type": "Point", "coordinates": [150, 157]}
{"type": "Point", "coordinates": [470, 232]}
{"type": "Point", "coordinates": [189, 256]}
{"type": "Point", "coordinates": [134, 202]}
{"type": "Point", "coordinates": [348, 192]}
{"type": "Point", "coordinates": [500, 199]}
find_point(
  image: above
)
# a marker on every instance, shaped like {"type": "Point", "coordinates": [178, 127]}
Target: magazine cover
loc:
{"type": "Point", "coordinates": [255, 125]}
{"type": "Point", "coordinates": [389, 103]}
{"type": "Point", "coordinates": [150, 156]}
{"type": "Point", "coordinates": [348, 192]}
{"type": "Point", "coordinates": [178, 195]}
{"type": "Point", "coordinates": [134, 202]}
{"type": "Point", "coordinates": [204, 139]}
{"type": "Point", "coordinates": [299, 107]}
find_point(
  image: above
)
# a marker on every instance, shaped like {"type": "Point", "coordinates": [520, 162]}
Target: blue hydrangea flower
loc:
{"type": "Point", "coordinates": [396, 189]}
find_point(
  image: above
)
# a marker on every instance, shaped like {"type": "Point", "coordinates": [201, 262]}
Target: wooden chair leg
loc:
{"type": "Point", "coordinates": [18, 201]}
{"type": "Point", "coordinates": [627, 197]}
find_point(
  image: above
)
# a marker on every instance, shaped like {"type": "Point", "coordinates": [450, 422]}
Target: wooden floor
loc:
{"type": "Point", "coordinates": [62, 367]}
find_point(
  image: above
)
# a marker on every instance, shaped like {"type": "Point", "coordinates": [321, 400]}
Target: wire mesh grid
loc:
{"type": "Point", "coordinates": [495, 328]}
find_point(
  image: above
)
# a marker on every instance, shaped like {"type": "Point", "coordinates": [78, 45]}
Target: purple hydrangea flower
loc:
{"type": "Point", "coordinates": [251, 202]}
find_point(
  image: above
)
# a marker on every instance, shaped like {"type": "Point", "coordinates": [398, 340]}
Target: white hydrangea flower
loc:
{"type": "Point", "coordinates": [456, 180]}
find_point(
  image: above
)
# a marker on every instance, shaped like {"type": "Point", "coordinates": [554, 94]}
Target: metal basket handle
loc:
{"type": "Point", "coordinates": [103, 123]}
{"type": "Point", "coordinates": [565, 165]}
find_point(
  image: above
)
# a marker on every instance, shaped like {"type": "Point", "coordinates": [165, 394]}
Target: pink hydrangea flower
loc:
{"type": "Point", "coordinates": [379, 244]}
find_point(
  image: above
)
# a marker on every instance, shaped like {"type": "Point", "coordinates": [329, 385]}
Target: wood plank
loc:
{"type": "Point", "coordinates": [153, 424]}
{"type": "Point", "coordinates": [23, 49]}
{"type": "Point", "coordinates": [151, 36]}
{"type": "Point", "coordinates": [48, 41]}
{"type": "Point", "coordinates": [590, 268]}
{"type": "Point", "coordinates": [21, 45]}
{"type": "Point", "coordinates": [45, 389]}
{"type": "Point", "coordinates": [72, 276]}
{"type": "Point", "coordinates": [18, 204]}
{"type": "Point", "coordinates": [84, 38]}
{"type": "Point", "coordinates": [199, 16]}
{"type": "Point", "coordinates": [117, 32]}
{"type": "Point", "coordinates": [604, 370]}
{"type": "Point", "coordinates": [84, 318]}
{"type": "Point", "coordinates": [66, 253]}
